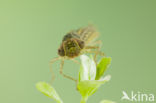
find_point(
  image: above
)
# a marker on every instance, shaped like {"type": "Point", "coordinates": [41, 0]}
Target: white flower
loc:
{"type": "Point", "coordinates": [90, 75]}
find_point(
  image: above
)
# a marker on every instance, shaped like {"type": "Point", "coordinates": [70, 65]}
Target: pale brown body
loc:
{"type": "Point", "coordinates": [71, 47]}
{"type": "Point", "coordinates": [76, 43]}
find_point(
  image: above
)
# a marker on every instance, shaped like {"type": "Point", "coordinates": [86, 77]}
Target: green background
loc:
{"type": "Point", "coordinates": [31, 32]}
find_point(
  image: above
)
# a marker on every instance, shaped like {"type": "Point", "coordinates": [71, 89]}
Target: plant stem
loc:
{"type": "Point", "coordinates": [59, 101]}
{"type": "Point", "coordinates": [84, 99]}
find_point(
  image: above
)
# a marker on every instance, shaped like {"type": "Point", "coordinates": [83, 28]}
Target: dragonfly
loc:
{"type": "Point", "coordinates": [75, 43]}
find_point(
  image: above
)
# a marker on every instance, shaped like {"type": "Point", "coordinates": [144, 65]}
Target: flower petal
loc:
{"type": "Point", "coordinates": [88, 68]}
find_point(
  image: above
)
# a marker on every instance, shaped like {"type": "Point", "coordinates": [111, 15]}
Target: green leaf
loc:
{"type": "Point", "coordinates": [49, 91]}
{"type": "Point", "coordinates": [107, 101]}
{"type": "Point", "coordinates": [87, 88]}
{"type": "Point", "coordinates": [88, 68]}
{"type": "Point", "coordinates": [102, 66]}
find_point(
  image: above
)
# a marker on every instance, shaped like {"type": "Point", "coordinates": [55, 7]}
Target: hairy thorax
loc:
{"type": "Point", "coordinates": [71, 47]}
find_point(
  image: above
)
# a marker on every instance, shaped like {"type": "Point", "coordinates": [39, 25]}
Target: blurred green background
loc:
{"type": "Point", "coordinates": [31, 32]}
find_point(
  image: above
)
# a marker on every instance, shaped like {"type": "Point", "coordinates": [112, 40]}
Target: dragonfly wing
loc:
{"type": "Point", "coordinates": [87, 34]}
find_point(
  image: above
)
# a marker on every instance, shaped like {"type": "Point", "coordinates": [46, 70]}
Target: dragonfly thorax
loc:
{"type": "Point", "coordinates": [71, 47]}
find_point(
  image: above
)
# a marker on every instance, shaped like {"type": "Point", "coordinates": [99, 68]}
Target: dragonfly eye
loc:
{"type": "Point", "coordinates": [61, 52]}
{"type": "Point", "coordinates": [81, 44]}
{"type": "Point", "coordinates": [67, 36]}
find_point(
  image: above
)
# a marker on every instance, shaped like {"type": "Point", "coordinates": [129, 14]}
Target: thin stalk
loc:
{"type": "Point", "coordinates": [84, 100]}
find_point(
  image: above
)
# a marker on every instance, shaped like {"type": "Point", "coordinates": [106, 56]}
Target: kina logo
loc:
{"type": "Point", "coordinates": [137, 97]}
